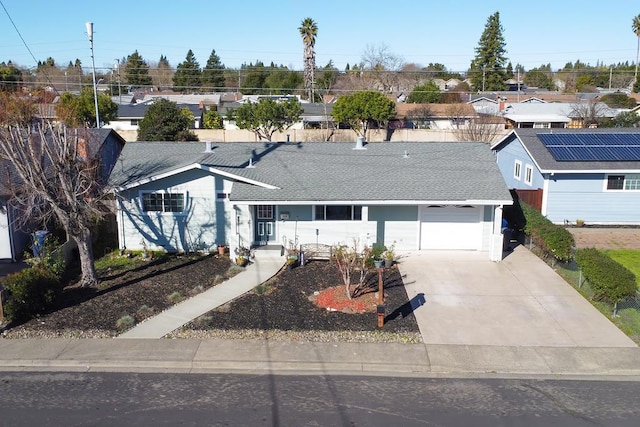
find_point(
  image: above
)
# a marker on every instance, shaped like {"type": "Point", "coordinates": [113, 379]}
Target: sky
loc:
{"type": "Point", "coordinates": [244, 31]}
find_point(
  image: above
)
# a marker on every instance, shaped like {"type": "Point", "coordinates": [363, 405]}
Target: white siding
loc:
{"type": "Point", "coordinates": [5, 241]}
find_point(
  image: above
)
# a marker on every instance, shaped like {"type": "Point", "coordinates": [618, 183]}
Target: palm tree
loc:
{"type": "Point", "coordinates": [635, 26]}
{"type": "Point", "coordinates": [308, 30]}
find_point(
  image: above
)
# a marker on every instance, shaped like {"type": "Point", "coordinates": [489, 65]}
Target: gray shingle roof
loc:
{"type": "Point", "coordinates": [547, 163]}
{"type": "Point", "coordinates": [331, 171]}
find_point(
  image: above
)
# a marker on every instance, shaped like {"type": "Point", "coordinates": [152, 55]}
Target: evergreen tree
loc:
{"type": "Point", "coordinates": [165, 121]}
{"type": "Point", "coordinates": [255, 77]}
{"type": "Point", "coordinates": [188, 77]}
{"type": "Point", "coordinates": [213, 74]}
{"type": "Point", "coordinates": [487, 70]}
{"type": "Point", "coordinates": [136, 71]}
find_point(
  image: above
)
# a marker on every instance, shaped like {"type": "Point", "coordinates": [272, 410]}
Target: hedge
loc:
{"type": "Point", "coordinates": [554, 240]}
{"type": "Point", "coordinates": [31, 292]}
{"type": "Point", "coordinates": [609, 280]}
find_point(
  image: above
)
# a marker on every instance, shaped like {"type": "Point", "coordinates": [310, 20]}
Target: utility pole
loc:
{"type": "Point", "coordinates": [119, 89]}
{"type": "Point", "coordinates": [89, 26]}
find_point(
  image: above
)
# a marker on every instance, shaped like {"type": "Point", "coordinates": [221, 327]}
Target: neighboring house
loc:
{"type": "Point", "coordinates": [543, 115]}
{"type": "Point", "coordinates": [433, 116]}
{"type": "Point", "coordinates": [588, 174]}
{"type": "Point", "coordinates": [130, 115]}
{"type": "Point", "coordinates": [194, 196]}
{"type": "Point", "coordinates": [14, 241]}
{"type": "Point", "coordinates": [314, 115]}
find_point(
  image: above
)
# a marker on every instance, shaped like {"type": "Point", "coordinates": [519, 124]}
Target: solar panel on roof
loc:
{"type": "Point", "coordinates": [609, 147]}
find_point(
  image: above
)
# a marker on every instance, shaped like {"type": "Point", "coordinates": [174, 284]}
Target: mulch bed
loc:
{"type": "Point", "coordinates": [96, 310]}
{"type": "Point", "coordinates": [288, 302]}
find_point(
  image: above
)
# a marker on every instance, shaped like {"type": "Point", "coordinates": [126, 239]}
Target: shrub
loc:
{"type": "Point", "coordinates": [31, 292]}
{"type": "Point", "coordinates": [50, 258]}
{"type": "Point", "coordinates": [145, 311]}
{"type": "Point", "coordinates": [610, 280]}
{"type": "Point", "coordinates": [554, 240]}
{"type": "Point", "coordinates": [125, 322]}
{"type": "Point", "coordinates": [175, 297]}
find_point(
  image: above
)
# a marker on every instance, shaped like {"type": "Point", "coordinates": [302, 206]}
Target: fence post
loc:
{"type": "Point", "coordinates": [580, 279]}
{"type": "Point", "coordinates": [615, 310]}
{"type": "Point", "coordinates": [2, 297]}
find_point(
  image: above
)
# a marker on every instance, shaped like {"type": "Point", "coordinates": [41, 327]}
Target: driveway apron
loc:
{"type": "Point", "coordinates": [520, 301]}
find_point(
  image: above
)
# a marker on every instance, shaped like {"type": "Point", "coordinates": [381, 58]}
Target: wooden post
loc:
{"type": "Point", "coordinates": [380, 309]}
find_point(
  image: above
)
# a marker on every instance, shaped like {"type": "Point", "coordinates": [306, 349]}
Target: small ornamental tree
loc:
{"type": "Point", "coordinates": [80, 110]}
{"type": "Point", "coordinates": [165, 121]}
{"type": "Point", "coordinates": [212, 120]}
{"type": "Point", "coordinates": [362, 109]}
{"type": "Point", "coordinates": [348, 259]}
{"type": "Point", "coordinates": [266, 117]}
{"type": "Point", "coordinates": [424, 94]}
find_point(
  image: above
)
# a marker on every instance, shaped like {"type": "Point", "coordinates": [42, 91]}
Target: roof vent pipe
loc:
{"type": "Point", "coordinates": [208, 146]}
{"type": "Point", "coordinates": [360, 144]}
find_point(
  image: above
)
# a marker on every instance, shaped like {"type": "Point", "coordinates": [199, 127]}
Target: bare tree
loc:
{"type": "Point", "coordinates": [480, 128]}
{"type": "Point", "coordinates": [383, 65]}
{"type": "Point", "coordinates": [51, 175]}
{"type": "Point", "coordinates": [588, 113]}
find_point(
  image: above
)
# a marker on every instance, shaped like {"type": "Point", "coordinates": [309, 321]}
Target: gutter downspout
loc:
{"type": "Point", "coordinates": [11, 238]}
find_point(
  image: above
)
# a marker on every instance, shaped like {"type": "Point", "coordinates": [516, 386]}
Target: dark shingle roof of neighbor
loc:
{"type": "Point", "coordinates": [546, 162]}
{"type": "Point", "coordinates": [329, 171]}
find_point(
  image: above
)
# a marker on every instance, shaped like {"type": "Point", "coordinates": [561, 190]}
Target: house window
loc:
{"type": "Point", "coordinates": [517, 170]}
{"type": "Point", "coordinates": [135, 122]}
{"type": "Point", "coordinates": [538, 125]}
{"type": "Point", "coordinates": [163, 202]}
{"type": "Point", "coordinates": [528, 175]}
{"type": "Point", "coordinates": [265, 211]}
{"type": "Point", "coordinates": [338, 213]}
{"type": "Point", "coordinates": [623, 182]}
{"type": "Point", "coordinates": [222, 196]}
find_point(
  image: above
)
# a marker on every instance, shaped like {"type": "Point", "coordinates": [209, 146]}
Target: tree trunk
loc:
{"type": "Point", "coordinates": [85, 250]}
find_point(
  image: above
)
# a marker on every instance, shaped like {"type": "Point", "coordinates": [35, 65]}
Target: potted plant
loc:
{"type": "Point", "coordinates": [377, 250]}
{"type": "Point", "coordinates": [389, 256]}
{"type": "Point", "coordinates": [242, 256]}
{"type": "Point", "coordinates": [221, 249]}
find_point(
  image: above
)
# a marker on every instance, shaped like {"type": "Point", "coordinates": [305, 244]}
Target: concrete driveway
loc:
{"type": "Point", "coordinates": [519, 301]}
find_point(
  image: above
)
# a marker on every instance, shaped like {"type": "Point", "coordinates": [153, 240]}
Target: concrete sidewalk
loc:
{"type": "Point", "coordinates": [266, 264]}
{"type": "Point", "coordinates": [277, 357]}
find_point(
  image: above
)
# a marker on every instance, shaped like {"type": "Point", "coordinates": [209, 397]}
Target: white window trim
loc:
{"type": "Point", "coordinates": [184, 200]}
{"type": "Point", "coordinates": [517, 170]}
{"type": "Point", "coordinates": [353, 212]}
{"type": "Point", "coordinates": [624, 183]}
{"type": "Point", "coordinates": [528, 175]}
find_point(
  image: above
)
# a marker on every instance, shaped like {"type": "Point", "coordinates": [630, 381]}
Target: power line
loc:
{"type": "Point", "coordinates": [24, 42]}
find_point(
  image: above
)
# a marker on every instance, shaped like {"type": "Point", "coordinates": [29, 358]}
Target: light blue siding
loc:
{"type": "Point", "coordinates": [506, 158]}
{"type": "Point", "coordinates": [205, 222]}
{"type": "Point", "coordinates": [396, 225]}
{"type": "Point", "coordinates": [583, 196]}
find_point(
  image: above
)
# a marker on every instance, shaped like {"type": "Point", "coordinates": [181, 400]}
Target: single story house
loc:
{"type": "Point", "coordinates": [587, 174]}
{"type": "Point", "coordinates": [105, 144]}
{"type": "Point", "coordinates": [193, 196]}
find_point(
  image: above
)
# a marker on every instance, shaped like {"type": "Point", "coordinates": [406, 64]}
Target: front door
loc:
{"type": "Point", "coordinates": [265, 224]}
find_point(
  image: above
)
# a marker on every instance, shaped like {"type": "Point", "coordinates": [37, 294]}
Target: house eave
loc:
{"type": "Point", "coordinates": [193, 166]}
{"type": "Point", "coordinates": [373, 202]}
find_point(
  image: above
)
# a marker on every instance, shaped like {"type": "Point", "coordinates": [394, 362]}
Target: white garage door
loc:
{"type": "Point", "coordinates": [450, 227]}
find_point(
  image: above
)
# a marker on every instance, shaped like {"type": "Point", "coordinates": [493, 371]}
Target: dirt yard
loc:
{"type": "Point", "coordinates": [606, 238]}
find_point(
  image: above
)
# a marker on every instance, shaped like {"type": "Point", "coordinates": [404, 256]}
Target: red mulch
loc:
{"type": "Point", "coordinates": [335, 298]}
